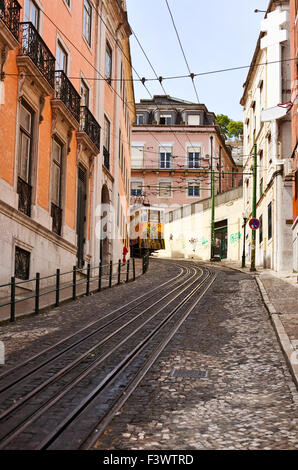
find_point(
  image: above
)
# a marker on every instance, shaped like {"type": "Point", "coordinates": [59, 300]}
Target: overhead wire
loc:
{"type": "Point", "coordinates": [181, 47]}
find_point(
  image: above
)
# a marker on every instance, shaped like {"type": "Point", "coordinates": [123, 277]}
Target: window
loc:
{"type": "Point", "coordinates": [270, 221]}
{"type": "Point", "coordinates": [84, 94]}
{"type": "Point", "coordinates": [22, 263]}
{"type": "Point", "coordinates": [194, 158]}
{"type": "Point", "coordinates": [261, 187]}
{"type": "Point", "coordinates": [165, 119]}
{"type": "Point", "coordinates": [109, 58]}
{"type": "Point", "coordinates": [24, 188]}
{"type": "Point", "coordinates": [61, 58]}
{"type": "Point", "coordinates": [193, 190]}
{"type": "Point", "coordinates": [165, 157]}
{"type": "Point", "coordinates": [24, 166]}
{"type": "Point", "coordinates": [193, 119]}
{"type": "Point", "coordinates": [136, 188]}
{"type": "Point", "coordinates": [87, 21]}
{"type": "Point", "coordinates": [32, 13]}
{"type": "Point", "coordinates": [165, 189]}
{"type": "Point", "coordinates": [261, 229]}
{"type": "Point", "coordinates": [140, 119]}
{"type": "Point", "coordinates": [137, 156]}
{"type": "Point", "coordinates": [107, 131]}
{"type": "Point", "coordinates": [261, 86]}
{"type": "Point", "coordinates": [56, 172]}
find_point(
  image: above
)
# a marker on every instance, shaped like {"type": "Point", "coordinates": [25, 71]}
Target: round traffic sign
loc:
{"type": "Point", "coordinates": [254, 224]}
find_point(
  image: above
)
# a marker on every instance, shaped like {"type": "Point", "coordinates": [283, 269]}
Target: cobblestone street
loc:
{"type": "Point", "coordinates": [247, 401]}
{"type": "Point", "coordinates": [221, 383]}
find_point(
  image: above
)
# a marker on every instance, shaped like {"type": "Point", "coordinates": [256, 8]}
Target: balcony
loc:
{"type": "Point", "coordinates": [56, 214]}
{"type": "Point", "coordinates": [106, 158]}
{"type": "Point", "coordinates": [89, 132]}
{"type": "Point", "coordinates": [173, 166]}
{"type": "Point", "coordinates": [66, 94]}
{"type": "Point", "coordinates": [10, 16]}
{"type": "Point", "coordinates": [36, 59]}
{"type": "Point", "coordinates": [24, 191]}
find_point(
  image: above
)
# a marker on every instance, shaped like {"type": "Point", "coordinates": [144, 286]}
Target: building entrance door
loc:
{"type": "Point", "coordinates": [221, 238]}
{"type": "Point", "coordinates": [81, 214]}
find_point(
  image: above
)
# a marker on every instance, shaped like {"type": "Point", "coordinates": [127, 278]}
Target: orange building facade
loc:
{"type": "Point", "coordinates": [66, 108]}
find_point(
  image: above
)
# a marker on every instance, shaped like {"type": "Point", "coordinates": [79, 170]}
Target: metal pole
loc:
{"type": "Point", "coordinates": [119, 271]}
{"type": "Point", "coordinates": [254, 211]}
{"type": "Point", "coordinates": [127, 271]}
{"type": "Point", "coordinates": [244, 236]}
{"type": "Point", "coordinates": [111, 273]}
{"type": "Point", "coordinates": [88, 280]}
{"type": "Point", "coordinates": [99, 276]}
{"type": "Point", "coordinates": [12, 298]}
{"type": "Point", "coordinates": [37, 284]}
{"type": "Point", "coordinates": [57, 287]}
{"type": "Point", "coordinates": [133, 269]}
{"type": "Point", "coordinates": [74, 282]}
{"type": "Point", "coordinates": [212, 214]}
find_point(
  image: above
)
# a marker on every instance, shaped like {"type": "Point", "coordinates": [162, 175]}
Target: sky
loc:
{"type": "Point", "coordinates": [215, 34]}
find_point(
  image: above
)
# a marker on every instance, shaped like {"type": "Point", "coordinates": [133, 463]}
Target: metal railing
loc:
{"type": "Point", "coordinates": [89, 125]}
{"type": "Point", "coordinates": [33, 45]}
{"type": "Point", "coordinates": [10, 15]}
{"type": "Point", "coordinates": [66, 92]}
{"type": "Point", "coordinates": [172, 166]}
{"type": "Point", "coordinates": [113, 276]}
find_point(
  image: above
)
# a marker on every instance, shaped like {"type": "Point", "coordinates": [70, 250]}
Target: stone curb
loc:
{"type": "Point", "coordinates": [288, 350]}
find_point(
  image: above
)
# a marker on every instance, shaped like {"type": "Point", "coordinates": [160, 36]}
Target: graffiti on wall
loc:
{"type": "Point", "coordinates": [235, 237]}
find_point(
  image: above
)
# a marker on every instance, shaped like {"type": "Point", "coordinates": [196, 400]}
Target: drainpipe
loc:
{"type": "Point", "coordinates": [219, 170]}
{"type": "Point", "coordinates": [276, 229]}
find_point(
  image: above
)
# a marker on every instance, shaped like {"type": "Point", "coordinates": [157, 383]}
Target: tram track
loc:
{"type": "Point", "coordinates": [106, 336]}
{"type": "Point", "coordinates": [183, 271]}
{"type": "Point", "coordinates": [100, 368]}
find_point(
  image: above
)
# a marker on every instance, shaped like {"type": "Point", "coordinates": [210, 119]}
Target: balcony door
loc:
{"type": "Point", "coordinates": [61, 58]}
{"type": "Point", "coordinates": [24, 188]}
{"type": "Point", "coordinates": [32, 13]}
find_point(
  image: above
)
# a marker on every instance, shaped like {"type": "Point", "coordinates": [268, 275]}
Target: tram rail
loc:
{"type": "Point", "coordinates": [97, 375]}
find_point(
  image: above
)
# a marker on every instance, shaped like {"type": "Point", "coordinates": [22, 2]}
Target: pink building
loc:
{"type": "Point", "coordinates": [175, 144]}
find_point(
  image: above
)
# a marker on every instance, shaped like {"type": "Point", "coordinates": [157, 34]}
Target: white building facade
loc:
{"type": "Point", "coordinates": [269, 127]}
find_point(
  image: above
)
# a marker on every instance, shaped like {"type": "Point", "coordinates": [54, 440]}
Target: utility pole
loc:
{"type": "Point", "coordinates": [212, 213]}
{"type": "Point", "coordinates": [254, 211]}
{"type": "Point", "coordinates": [244, 237]}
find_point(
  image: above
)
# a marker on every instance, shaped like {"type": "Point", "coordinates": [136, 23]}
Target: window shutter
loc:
{"type": "Point", "coordinates": [137, 157]}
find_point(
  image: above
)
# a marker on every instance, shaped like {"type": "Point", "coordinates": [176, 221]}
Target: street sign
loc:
{"type": "Point", "coordinates": [254, 224]}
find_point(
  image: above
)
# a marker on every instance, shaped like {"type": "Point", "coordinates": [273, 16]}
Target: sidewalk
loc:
{"type": "Point", "coordinates": [280, 295]}
{"type": "Point", "coordinates": [25, 298]}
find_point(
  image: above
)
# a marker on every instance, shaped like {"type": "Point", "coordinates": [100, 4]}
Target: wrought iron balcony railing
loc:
{"type": "Point", "coordinates": [56, 214]}
{"type": "Point", "coordinates": [89, 125]}
{"type": "Point", "coordinates": [66, 92]}
{"type": "Point", "coordinates": [10, 15]}
{"type": "Point", "coordinates": [24, 191]}
{"type": "Point", "coordinates": [172, 166]}
{"type": "Point", "coordinates": [106, 158]}
{"type": "Point", "coordinates": [33, 45]}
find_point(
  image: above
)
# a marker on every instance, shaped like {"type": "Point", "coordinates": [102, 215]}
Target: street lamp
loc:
{"type": "Point", "coordinates": [244, 236]}
{"type": "Point", "coordinates": [260, 11]}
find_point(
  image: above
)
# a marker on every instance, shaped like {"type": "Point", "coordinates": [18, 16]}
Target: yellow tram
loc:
{"type": "Point", "coordinates": [147, 230]}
